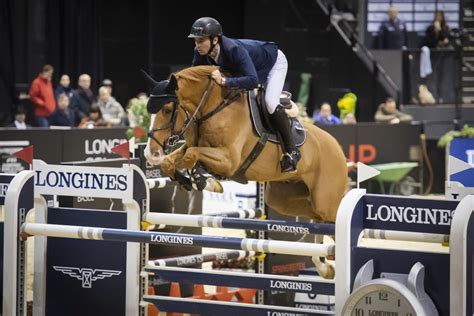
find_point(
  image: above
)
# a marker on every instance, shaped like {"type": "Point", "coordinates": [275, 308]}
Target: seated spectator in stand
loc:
{"type": "Point", "coordinates": [20, 117]}
{"type": "Point", "coordinates": [142, 96]}
{"type": "Point", "coordinates": [437, 34]}
{"type": "Point", "coordinates": [387, 113]}
{"type": "Point", "coordinates": [392, 32]}
{"type": "Point", "coordinates": [94, 119]}
{"type": "Point", "coordinates": [349, 119]}
{"type": "Point", "coordinates": [112, 111]}
{"type": "Point", "coordinates": [325, 116]}
{"type": "Point", "coordinates": [64, 87]}
{"type": "Point", "coordinates": [42, 96]}
{"type": "Point", "coordinates": [83, 97]}
{"type": "Point", "coordinates": [108, 84]}
{"type": "Point", "coordinates": [64, 115]}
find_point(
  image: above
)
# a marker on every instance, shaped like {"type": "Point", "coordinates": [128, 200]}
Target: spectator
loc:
{"type": "Point", "coordinates": [42, 96]}
{"type": "Point", "coordinates": [392, 32]}
{"type": "Point", "coordinates": [437, 34]}
{"type": "Point", "coordinates": [387, 113]}
{"type": "Point", "coordinates": [108, 84]}
{"type": "Point", "coordinates": [94, 119]}
{"type": "Point", "coordinates": [83, 97]}
{"type": "Point", "coordinates": [112, 111]}
{"type": "Point", "coordinates": [20, 117]}
{"type": "Point", "coordinates": [64, 116]}
{"type": "Point", "coordinates": [142, 96]}
{"type": "Point", "coordinates": [324, 116]}
{"type": "Point", "coordinates": [349, 119]}
{"type": "Point", "coordinates": [64, 87]}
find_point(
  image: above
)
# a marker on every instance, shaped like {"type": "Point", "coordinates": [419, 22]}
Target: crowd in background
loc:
{"type": "Point", "coordinates": [64, 106]}
{"type": "Point", "coordinates": [392, 35]}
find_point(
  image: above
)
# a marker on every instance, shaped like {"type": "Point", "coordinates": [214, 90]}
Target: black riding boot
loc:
{"type": "Point", "coordinates": [291, 154]}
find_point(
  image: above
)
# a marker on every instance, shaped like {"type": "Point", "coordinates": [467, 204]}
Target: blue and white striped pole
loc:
{"type": "Point", "coordinates": [250, 213]}
{"type": "Point", "coordinates": [236, 223]}
{"type": "Point", "coordinates": [267, 246]}
{"type": "Point", "coordinates": [159, 183]}
{"type": "Point", "coordinates": [193, 260]}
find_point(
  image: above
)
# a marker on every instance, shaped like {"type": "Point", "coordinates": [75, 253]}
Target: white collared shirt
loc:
{"type": "Point", "coordinates": [20, 125]}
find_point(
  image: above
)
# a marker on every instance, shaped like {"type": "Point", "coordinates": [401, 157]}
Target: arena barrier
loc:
{"type": "Point", "coordinates": [5, 180]}
{"type": "Point", "coordinates": [439, 283]}
{"type": "Point", "coordinates": [66, 269]}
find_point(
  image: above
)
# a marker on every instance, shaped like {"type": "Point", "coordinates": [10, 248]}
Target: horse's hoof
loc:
{"type": "Point", "coordinates": [325, 269]}
{"type": "Point", "coordinates": [330, 272]}
{"type": "Point", "coordinates": [213, 185]}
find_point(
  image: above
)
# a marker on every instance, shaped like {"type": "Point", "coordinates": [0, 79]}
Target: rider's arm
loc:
{"type": "Point", "coordinates": [249, 79]}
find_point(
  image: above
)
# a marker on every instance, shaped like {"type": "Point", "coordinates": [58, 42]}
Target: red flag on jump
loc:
{"type": "Point", "coordinates": [26, 154]}
{"type": "Point", "coordinates": [138, 132]}
{"type": "Point", "coordinates": [122, 150]}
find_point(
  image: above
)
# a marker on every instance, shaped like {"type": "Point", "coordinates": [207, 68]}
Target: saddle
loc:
{"type": "Point", "coordinates": [261, 120]}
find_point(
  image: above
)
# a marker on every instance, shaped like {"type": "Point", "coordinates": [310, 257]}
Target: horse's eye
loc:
{"type": "Point", "coordinates": [167, 111]}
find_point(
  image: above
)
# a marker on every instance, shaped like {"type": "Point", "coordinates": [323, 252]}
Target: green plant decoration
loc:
{"type": "Point", "coordinates": [445, 140]}
{"type": "Point", "coordinates": [139, 117]}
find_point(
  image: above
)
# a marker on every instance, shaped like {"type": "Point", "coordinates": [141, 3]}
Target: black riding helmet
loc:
{"type": "Point", "coordinates": [205, 27]}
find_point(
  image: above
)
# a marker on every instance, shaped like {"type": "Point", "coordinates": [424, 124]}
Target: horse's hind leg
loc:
{"type": "Point", "coordinates": [289, 198]}
{"type": "Point", "coordinates": [326, 192]}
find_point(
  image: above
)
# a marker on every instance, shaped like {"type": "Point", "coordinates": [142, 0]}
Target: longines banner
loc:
{"type": "Point", "coordinates": [56, 146]}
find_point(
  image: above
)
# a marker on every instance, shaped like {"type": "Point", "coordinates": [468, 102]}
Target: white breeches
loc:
{"type": "Point", "coordinates": [275, 82]}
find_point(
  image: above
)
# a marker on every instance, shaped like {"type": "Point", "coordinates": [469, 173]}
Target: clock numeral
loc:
{"type": "Point", "coordinates": [359, 312]}
{"type": "Point", "coordinates": [368, 300]}
{"type": "Point", "coordinates": [383, 296]}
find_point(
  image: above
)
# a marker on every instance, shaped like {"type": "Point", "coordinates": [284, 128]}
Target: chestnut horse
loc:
{"type": "Point", "coordinates": [223, 141]}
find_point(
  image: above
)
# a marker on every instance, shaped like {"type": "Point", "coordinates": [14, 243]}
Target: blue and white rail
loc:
{"type": "Point", "coordinates": [302, 284]}
{"type": "Point", "coordinates": [246, 244]}
{"type": "Point", "coordinates": [203, 307]}
{"type": "Point", "coordinates": [193, 260]}
{"type": "Point", "coordinates": [236, 223]}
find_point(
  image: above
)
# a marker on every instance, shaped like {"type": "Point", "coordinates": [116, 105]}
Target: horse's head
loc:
{"type": "Point", "coordinates": [174, 106]}
{"type": "Point", "coordinates": [165, 121]}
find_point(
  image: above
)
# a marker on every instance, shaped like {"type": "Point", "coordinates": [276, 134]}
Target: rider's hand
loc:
{"type": "Point", "coordinates": [217, 76]}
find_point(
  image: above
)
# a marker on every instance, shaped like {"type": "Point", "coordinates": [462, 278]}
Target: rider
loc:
{"type": "Point", "coordinates": [257, 63]}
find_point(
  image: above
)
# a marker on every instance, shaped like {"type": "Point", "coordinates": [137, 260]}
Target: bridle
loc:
{"type": "Point", "coordinates": [175, 136]}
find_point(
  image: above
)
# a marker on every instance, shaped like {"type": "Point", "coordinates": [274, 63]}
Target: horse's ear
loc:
{"type": "Point", "coordinates": [173, 85]}
{"type": "Point", "coordinates": [150, 82]}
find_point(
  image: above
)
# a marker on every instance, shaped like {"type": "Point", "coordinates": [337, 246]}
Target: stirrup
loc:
{"type": "Point", "coordinates": [289, 161]}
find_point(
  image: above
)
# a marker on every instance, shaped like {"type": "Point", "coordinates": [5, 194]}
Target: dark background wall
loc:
{"type": "Point", "coordinates": [114, 39]}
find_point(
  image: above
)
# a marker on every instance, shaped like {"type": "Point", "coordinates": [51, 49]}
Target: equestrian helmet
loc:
{"type": "Point", "coordinates": [205, 27]}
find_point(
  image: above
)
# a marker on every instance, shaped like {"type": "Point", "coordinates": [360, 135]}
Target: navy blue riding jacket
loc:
{"type": "Point", "coordinates": [250, 60]}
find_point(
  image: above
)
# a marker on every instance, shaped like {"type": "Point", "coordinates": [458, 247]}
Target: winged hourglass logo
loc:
{"type": "Point", "coordinates": [87, 275]}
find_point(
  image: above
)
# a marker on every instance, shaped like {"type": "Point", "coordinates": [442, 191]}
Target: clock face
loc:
{"type": "Point", "coordinates": [382, 299]}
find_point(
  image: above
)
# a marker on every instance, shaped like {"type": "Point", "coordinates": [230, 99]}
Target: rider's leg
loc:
{"type": "Point", "coordinates": [279, 119]}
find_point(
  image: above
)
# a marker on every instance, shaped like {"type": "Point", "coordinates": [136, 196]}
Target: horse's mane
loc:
{"type": "Point", "coordinates": [196, 73]}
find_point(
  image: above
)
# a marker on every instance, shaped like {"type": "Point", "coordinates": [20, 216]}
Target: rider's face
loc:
{"type": "Point", "coordinates": [203, 45]}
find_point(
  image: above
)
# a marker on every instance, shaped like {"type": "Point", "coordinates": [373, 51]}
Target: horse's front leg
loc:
{"type": "Point", "coordinates": [218, 160]}
{"type": "Point", "coordinates": [170, 161]}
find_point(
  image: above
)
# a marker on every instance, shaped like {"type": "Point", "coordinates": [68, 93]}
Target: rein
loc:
{"type": "Point", "coordinates": [175, 136]}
